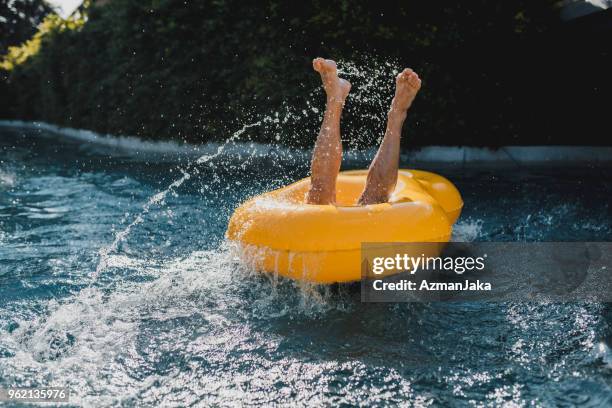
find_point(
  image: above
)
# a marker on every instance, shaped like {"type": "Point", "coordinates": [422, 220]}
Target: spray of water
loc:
{"type": "Point", "coordinates": [370, 95]}
{"type": "Point", "coordinates": [159, 197]}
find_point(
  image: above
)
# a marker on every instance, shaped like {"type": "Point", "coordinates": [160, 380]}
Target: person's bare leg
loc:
{"type": "Point", "coordinates": [382, 175]}
{"type": "Point", "coordinates": [327, 154]}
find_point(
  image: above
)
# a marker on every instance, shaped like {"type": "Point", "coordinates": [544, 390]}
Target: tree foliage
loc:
{"type": "Point", "coordinates": [194, 69]}
{"type": "Point", "coordinates": [19, 20]}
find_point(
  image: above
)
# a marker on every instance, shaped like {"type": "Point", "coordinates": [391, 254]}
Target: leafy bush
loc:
{"type": "Point", "coordinates": [19, 20]}
{"type": "Point", "coordinates": [195, 70]}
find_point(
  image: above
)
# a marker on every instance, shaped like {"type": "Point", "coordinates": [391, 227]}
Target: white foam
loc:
{"type": "Point", "coordinates": [76, 340]}
{"type": "Point", "coordinates": [602, 351]}
{"type": "Point", "coordinates": [467, 230]}
{"type": "Point", "coordinates": [7, 179]}
{"type": "Point", "coordinates": [80, 341]}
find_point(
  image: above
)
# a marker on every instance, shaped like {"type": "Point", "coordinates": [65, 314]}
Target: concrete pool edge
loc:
{"type": "Point", "coordinates": [504, 156]}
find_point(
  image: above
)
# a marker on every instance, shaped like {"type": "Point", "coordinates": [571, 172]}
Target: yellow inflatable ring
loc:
{"type": "Point", "coordinates": [278, 233]}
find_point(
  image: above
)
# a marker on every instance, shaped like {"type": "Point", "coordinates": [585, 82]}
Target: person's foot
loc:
{"type": "Point", "coordinates": [407, 84]}
{"type": "Point", "coordinates": [337, 89]}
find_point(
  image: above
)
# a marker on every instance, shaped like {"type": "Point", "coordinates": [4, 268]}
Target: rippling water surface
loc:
{"type": "Point", "coordinates": [172, 319]}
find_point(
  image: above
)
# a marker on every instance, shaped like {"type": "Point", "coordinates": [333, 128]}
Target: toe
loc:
{"type": "Point", "coordinates": [414, 80]}
{"type": "Point", "coordinates": [324, 66]}
{"type": "Point", "coordinates": [402, 76]}
{"type": "Point", "coordinates": [328, 66]}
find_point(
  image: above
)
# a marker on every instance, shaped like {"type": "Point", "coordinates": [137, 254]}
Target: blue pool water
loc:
{"type": "Point", "coordinates": [160, 313]}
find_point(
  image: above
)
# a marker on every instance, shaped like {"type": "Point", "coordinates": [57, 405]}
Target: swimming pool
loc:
{"type": "Point", "coordinates": [170, 318]}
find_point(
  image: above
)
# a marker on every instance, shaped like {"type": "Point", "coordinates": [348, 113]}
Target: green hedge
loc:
{"type": "Point", "coordinates": [197, 70]}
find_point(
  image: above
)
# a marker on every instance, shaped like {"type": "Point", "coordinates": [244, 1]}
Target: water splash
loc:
{"type": "Point", "coordinates": [159, 197]}
{"type": "Point", "coordinates": [467, 230]}
{"type": "Point", "coordinates": [365, 112]}
{"type": "Point", "coordinates": [369, 100]}
{"type": "Point", "coordinates": [372, 84]}
{"type": "Point", "coordinates": [602, 351]}
{"type": "Point", "coordinates": [7, 179]}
